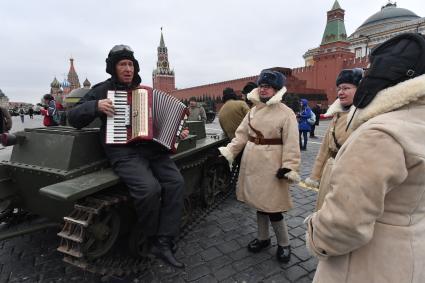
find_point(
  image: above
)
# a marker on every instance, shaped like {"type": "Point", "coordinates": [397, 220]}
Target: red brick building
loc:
{"type": "Point", "coordinates": [331, 57]}
{"type": "Point", "coordinates": [337, 51]}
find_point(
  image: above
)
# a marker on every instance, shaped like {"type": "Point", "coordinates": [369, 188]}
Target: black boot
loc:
{"type": "Point", "coordinates": [161, 248]}
{"type": "Point", "coordinates": [283, 254]}
{"type": "Point", "coordinates": [256, 245]}
{"type": "Point", "coordinates": [174, 246]}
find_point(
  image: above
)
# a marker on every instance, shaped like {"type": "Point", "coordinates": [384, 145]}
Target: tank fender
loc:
{"type": "Point", "coordinates": [82, 186]}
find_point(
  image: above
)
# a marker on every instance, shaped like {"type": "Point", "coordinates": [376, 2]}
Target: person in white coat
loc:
{"type": "Point", "coordinates": [268, 136]}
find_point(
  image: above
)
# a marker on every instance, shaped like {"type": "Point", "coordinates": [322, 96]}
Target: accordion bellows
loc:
{"type": "Point", "coordinates": [145, 114]}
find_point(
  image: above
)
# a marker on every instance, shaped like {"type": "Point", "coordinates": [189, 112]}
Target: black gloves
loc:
{"type": "Point", "coordinates": [280, 174]}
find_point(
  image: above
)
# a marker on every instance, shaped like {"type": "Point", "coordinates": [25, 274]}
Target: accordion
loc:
{"type": "Point", "coordinates": [145, 114]}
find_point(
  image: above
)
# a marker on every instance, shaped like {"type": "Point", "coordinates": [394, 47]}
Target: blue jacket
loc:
{"type": "Point", "coordinates": [305, 114]}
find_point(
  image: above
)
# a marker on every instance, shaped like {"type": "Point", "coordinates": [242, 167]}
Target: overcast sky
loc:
{"type": "Point", "coordinates": [208, 41]}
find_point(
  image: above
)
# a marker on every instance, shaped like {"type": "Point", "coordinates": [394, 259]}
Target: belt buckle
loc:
{"type": "Point", "coordinates": [257, 140]}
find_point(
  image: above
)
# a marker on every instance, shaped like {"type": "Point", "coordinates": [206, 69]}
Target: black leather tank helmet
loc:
{"type": "Point", "coordinates": [118, 53]}
{"type": "Point", "coordinates": [396, 60]}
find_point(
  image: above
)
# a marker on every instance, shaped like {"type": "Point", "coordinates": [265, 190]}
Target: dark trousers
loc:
{"type": "Point", "coordinates": [303, 145]}
{"type": "Point", "coordinates": [312, 131]}
{"type": "Point", "coordinates": [157, 187]}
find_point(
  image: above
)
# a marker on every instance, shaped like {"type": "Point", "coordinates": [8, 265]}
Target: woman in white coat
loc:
{"type": "Point", "coordinates": [269, 137]}
{"type": "Point", "coordinates": [337, 132]}
{"type": "Point", "coordinates": [371, 227]}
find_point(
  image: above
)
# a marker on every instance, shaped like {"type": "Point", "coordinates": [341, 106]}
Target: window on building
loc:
{"type": "Point", "coordinates": [358, 52]}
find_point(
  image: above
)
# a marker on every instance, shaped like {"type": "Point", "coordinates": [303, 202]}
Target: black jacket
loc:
{"type": "Point", "coordinates": [317, 111]}
{"type": "Point", "coordinates": [82, 114]}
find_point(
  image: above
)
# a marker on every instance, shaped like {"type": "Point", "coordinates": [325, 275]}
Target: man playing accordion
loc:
{"type": "Point", "coordinates": [153, 180]}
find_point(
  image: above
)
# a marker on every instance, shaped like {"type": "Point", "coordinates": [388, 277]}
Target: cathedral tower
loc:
{"type": "Point", "coordinates": [72, 76]}
{"type": "Point", "coordinates": [162, 77]}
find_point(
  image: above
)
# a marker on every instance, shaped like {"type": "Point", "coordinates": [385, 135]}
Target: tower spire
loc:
{"type": "Point", "coordinates": [336, 5]}
{"type": "Point", "coordinates": [335, 27]}
{"type": "Point", "coordinates": [161, 42]}
{"type": "Point", "coordinates": [72, 76]}
{"type": "Point", "coordinates": [162, 76]}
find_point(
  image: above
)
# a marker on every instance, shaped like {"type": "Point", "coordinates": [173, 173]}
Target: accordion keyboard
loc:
{"type": "Point", "coordinates": [116, 126]}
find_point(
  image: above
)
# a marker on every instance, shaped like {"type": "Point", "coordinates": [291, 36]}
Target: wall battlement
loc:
{"type": "Point", "coordinates": [303, 69]}
{"type": "Point", "coordinates": [360, 62]}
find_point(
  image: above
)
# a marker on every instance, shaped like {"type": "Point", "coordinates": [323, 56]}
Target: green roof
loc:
{"type": "Point", "coordinates": [334, 31]}
{"type": "Point", "coordinates": [335, 28]}
{"type": "Point", "coordinates": [336, 6]}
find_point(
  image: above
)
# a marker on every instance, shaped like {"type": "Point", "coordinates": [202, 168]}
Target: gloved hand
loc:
{"type": "Point", "coordinates": [312, 183]}
{"type": "Point", "coordinates": [221, 159]}
{"type": "Point", "coordinates": [222, 156]}
{"type": "Point", "coordinates": [285, 173]}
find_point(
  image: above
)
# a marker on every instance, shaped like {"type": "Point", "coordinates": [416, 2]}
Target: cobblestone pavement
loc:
{"type": "Point", "coordinates": [214, 251]}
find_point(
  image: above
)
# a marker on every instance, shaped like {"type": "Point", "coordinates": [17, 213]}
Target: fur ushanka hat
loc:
{"type": "Point", "coordinates": [272, 78]}
{"type": "Point", "coordinates": [350, 76]}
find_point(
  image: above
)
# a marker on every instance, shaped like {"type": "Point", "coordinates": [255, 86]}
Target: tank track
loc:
{"type": "Point", "coordinates": [73, 235]}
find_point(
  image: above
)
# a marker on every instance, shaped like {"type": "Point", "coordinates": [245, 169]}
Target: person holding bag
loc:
{"type": "Point", "coordinates": [304, 126]}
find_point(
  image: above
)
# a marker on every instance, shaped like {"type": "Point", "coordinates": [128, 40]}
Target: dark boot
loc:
{"type": "Point", "coordinates": [256, 245]}
{"type": "Point", "coordinates": [161, 248]}
{"type": "Point", "coordinates": [283, 254]}
{"type": "Point", "coordinates": [174, 246]}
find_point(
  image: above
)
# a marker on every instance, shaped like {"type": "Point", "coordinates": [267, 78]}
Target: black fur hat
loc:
{"type": "Point", "coordinates": [272, 78]}
{"type": "Point", "coordinates": [48, 97]}
{"type": "Point", "coordinates": [396, 60]}
{"type": "Point", "coordinates": [249, 87]}
{"type": "Point", "coordinates": [118, 53]}
{"type": "Point", "coordinates": [350, 76]}
{"type": "Point", "coordinates": [229, 93]}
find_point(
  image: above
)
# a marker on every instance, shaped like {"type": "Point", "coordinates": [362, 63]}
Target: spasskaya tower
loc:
{"type": "Point", "coordinates": [162, 76]}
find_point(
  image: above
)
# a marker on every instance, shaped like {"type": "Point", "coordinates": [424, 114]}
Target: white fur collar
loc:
{"type": "Point", "coordinates": [335, 107]}
{"type": "Point", "coordinates": [254, 96]}
{"type": "Point", "coordinates": [389, 99]}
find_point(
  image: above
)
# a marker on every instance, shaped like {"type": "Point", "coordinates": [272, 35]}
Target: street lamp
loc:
{"type": "Point", "coordinates": [367, 41]}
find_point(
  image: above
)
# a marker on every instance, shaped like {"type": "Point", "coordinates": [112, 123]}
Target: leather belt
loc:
{"type": "Point", "coordinates": [263, 141]}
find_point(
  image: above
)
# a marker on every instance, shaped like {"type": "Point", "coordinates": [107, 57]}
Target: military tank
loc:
{"type": "Point", "coordinates": [62, 174]}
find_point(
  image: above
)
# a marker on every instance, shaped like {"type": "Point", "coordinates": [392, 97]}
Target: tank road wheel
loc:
{"type": "Point", "coordinates": [209, 185]}
{"type": "Point", "coordinates": [187, 212]}
{"type": "Point", "coordinates": [102, 234]}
